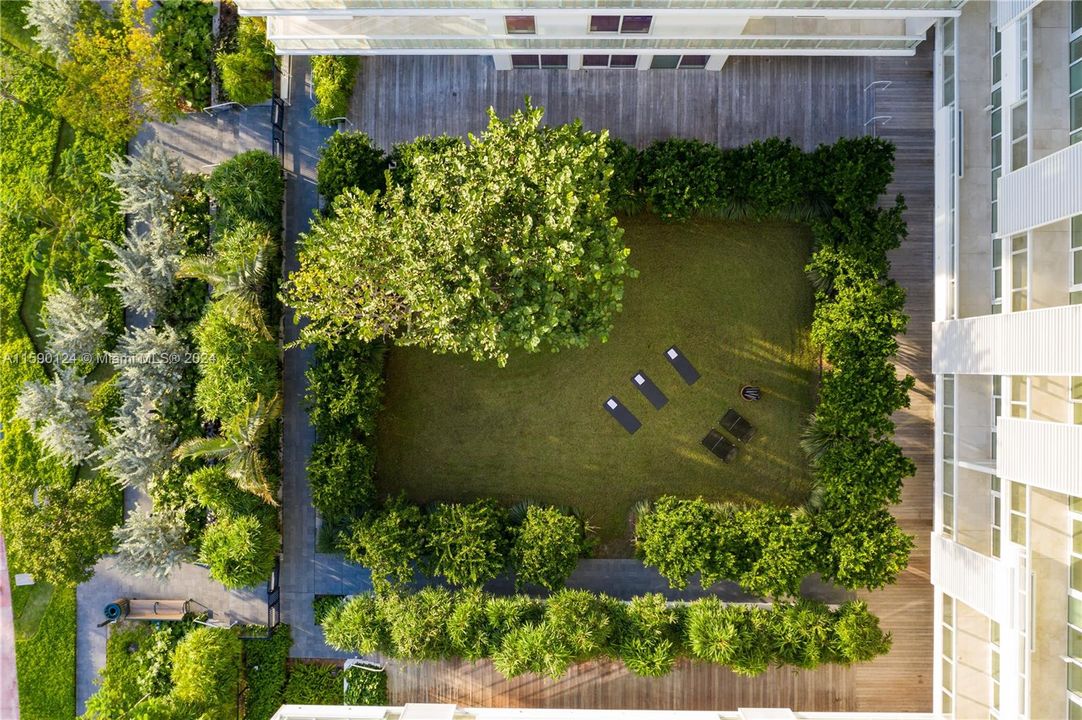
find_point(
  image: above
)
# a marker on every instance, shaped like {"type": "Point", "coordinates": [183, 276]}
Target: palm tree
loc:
{"type": "Point", "coordinates": [237, 275]}
{"type": "Point", "coordinates": [238, 447]}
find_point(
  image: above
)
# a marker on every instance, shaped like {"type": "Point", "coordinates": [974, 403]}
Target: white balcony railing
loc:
{"type": "Point", "coordinates": [1035, 342]}
{"type": "Point", "coordinates": [984, 583]}
{"type": "Point", "coordinates": [1008, 11]}
{"type": "Point", "coordinates": [1042, 192]}
{"type": "Point", "coordinates": [1046, 455]}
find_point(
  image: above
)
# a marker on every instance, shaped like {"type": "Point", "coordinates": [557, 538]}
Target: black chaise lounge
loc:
{"type": "Point", "coordinates": [622, 415]}
{"type": "Point", "coordinates": [735, 423]}
{"type": "Point", "coordinates": [718, 444]}
{"type": "Point", "coordinates": [681, 364]}
{"type": "Point", "coordinates": [649, 390]}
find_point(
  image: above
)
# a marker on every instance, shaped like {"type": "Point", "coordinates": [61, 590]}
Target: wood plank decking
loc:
{"type": "Point", "coordinates": [811, 100]}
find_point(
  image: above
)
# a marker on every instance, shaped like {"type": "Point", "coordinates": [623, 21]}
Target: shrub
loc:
{"type": "Point", "coordinates": [153, 542]}
{"type": "Point", "coordinates": [765, 179]}
{"type": "Point", "coordinates": [185, 33]}
{"type": "Point", "coordinates": [248, 186]}
{"type": "Point", "coordinates": [265, 672]}
{"type": "Point", "coordinates": [248, 72]}
{"type": "Point", "coordinates": [340, 477]}
{"type": "Point", "coordinates": [467, 544]}
{"type": "Point", "coordinates": [682, 178]}
{"type": "Point", "coordinates": [350, 160]}
{"type": "Point", "coordinates": [218, 492]}
{"type": "Point", "coordinates": [582, 621]}
{"type": "Point", "coordinates": [358, 625]}
{"type": "Point", "coordinates": [332, 79]}
{"type": "Point", "coordinates": [679, 538]}
{"type": "Point", "coordinates": [206, 667]}
{"type": "Point", "coordinates": [624, 194]}
{"type": "Point", "coordinates": [388, 543]}
{"type": "Point", "coordinates": [533, 648]}
{"type": "Point", "coordinates": [148, 181]}
{"type": "Point", "coordinates": [649, 636]}
{"type": "Point", "coordinates": [236, 364]}
{"type": "Point", "coordinates": [76, 324]}
{"type": "Point", "coordinates": [312, 683]}
{"type": "Point", "coordinates": [417, 622]}
{"type": "Point", "coordinates": [857, 637]}
{"type": "Point", "coordinates": [365, 687]}
{"type": "Point", "coordinates": [54, 22]}
{"type": "Point", "coordinates": [57, 415]}
{"type": "Point", "coordinates": [547, 547]}
{"type": "Point", "coordinates": [240, 551]}
{"type": "Point", "coordinates": [730, 635]}
{"type": "Point", "coordinates": [145, 267]}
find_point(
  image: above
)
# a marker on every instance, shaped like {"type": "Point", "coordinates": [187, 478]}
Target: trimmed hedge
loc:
{"type": "Point", "coordinates": [332, 78]}
{"type": "Point", "coordinates": [847, 534]}
{"type": "Point", "coordinates": [521, 635]}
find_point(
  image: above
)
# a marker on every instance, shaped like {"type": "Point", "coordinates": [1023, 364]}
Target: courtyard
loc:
{"type": "Point", "coordinates": [732, 296]}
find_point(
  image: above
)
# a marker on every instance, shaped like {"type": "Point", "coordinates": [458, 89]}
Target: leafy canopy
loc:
{"type": "Point", "coordinates": [502, 243]}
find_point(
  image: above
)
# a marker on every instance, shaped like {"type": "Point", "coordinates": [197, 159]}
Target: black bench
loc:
{"type": "Point", "coordinates": [649, 390]}
{"type": "Point", "coordinates": [682, 365]}
{"type": "Point", "coordinates": [622, 415]}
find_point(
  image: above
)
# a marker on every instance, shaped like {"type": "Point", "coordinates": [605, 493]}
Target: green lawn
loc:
{"type": "Point", "coordinates": [45, 650]}
{"type": "Point", "coordinates": [732, 296]}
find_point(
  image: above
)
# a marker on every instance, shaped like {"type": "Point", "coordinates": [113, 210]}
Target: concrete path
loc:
{"type": "Point", "coordinates": [305, 573]}
{"type": "Point", "coordinates": [200, 140]}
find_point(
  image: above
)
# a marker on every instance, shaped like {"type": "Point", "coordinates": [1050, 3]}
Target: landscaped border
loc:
{"type": "Point", "coordinates": [846, 533]}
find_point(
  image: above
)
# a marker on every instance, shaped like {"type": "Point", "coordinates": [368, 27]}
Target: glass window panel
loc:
{"type": "Point", "coordinates": [948, 703]}
{"type": "Point", "coordinates": [997, 68]}
{"type": "Point", "coordinates": [1076, 49]}
{"type": "Point", "coordinates": [1019, 390]}
{"type": "Point", "coordinates": [1019, 120]}
{"type": "Point", "coordinates": [1076, 77]}
{"type": "Point", "coordinates": [997, 125]}
{"type": "Point", "coordinates": [948, 610]}
{"type": "Point", "coordinates": [520, 25]}
{"type": "Point", "coordinates": [948, 388]}
{"type": "Point", "coordinates": [1074, 677]}
{"type": "Point", "coordinates": [993, 632]}
{"type": "Point", "coordinates": [604, 23]}
{"type": "Point", "coordinates": [1075, 710]}
{"type": "Point", "coordinates": [1076, 394]}
{"type": "Point", "coordinates": [624, 61]}
{"type": "Point", "coordinates": [1076, 111]}
{"type": "Point", "coordinates": [948, 478]}
{"type": "Point", "coordinates": [1019, 154]}
{"type": "Point", "coordinates": [948, 640]}
{"type": "Point", "coordinates": [995, 664]}
{"type": "Point", "coordinates": [997, 283]}
{"type": "Point", "coordinates": [664, 62]}
{"type": "Point", "coordinates": [525, 61]}
{"type": "Point", "coordinates": [1077, 270]}
{"type": "Point", "coordinates": [1076, 536]}
{"type": "Point", "coordinates": [1076, 576]}
{"type": "Point", "coordinates": [694, 62]}
{"type": "Point", "coordinates": [595, 60]}
{"type": "Point", "coordinates": [1074, 642]}
{"type": "Point", "coordinates": [997, 97]}
{"type": "Point", "coordinates": [997, 508]}
{"type": "Point", "coordinates": [995, 696]}
{"type": "Point", "coordinates": [1018, 529]}
{"type": "Point", "coordinates": [997, 541]}
{"type": "Point", "coordinates": [636, 23]}
{"type": "Point", "coordinates": [996, 484]}
{"type": "Point", "coordinates": [948, 674]}
{"type": "Point", "coordinates": [554, 62]}
{"type": "Point", "coordinates": [1076, 231]}
{"type": "Point", "coordinates": [948, 512]}
{"type": "Point", "coordinates": [1019, 271]}
{"type": "Point", "coordinates": [1076, 15]}
{"type": "Point", "coordinates": [1018, 497]}
{"type": "Point", "coordinates": [1074, 611]}
{"type": "Point", "coordinates": [1018, 243]}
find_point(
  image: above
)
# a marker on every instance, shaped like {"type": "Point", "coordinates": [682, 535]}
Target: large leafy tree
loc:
{"type": "Point", "coordinates": [503, 243]}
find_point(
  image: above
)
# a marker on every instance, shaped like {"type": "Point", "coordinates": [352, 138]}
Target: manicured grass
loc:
{"type": "Point", "coordinates": [732, 296]}
{"type": "Point", "coordinates": [45, 651]}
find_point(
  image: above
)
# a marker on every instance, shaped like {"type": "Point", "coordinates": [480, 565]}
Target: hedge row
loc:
{"type": "Point", "coordinates": [467, 544]}
{"type": "Point", "coordinates": [847, 534]}
{"type": "Point", "coordinates": [522, 635]}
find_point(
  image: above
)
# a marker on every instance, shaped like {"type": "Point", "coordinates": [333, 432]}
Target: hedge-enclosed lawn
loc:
{"type": "Point", "coordinates": [732, 296]}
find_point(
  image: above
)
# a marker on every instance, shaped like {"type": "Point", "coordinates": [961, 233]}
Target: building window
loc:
{"type": "Point", "coordinates": [997, 273]}
{"type": "Point", "coordinates": [1019, 503]}
{"type": "Point", "coordinates": [520, 25]}
{"type": "Point", "coordinates": [1074, 610]}
{"type": "Point", "coordinates": [665, 62]}
{"type": "Point", "coordinates": [609, 61]}
{"type": "Point", "coordinates": [694, 62]}
{"type": "Point", "coordinates": [1074, 58]}
{"type": "Point", "coordinates": [948, 61]}
{"type": "Point", "coordinates": [997, 510]}
{"type": "Point", "coordinates": [996, 122]}
{"type": "Point", "coordinates": [948, 456]}
{"type": "Point", "coordinates": [948, 655]}
{"type": "Point", "coordinates": [1019, 396]}
{"type": "Point", "coordinates": [1023, 55]}
{"type": "Point", "coordinates": [1020, 135]}
{"type": "Point", "coordinates": [1076, 400]}
{"type": "Point", "coordinates": [628, 24]}
{"type": "Point", "coordinates": [1076, 260]}
{"type": "Point", "coordinates": [532, 62]}
{"type": "Point", "coordinates": [993, 667]}
{"type": "Point", "coordinates": [1019, 273]}
{"type": "Point", "coordinates": [997, 408]}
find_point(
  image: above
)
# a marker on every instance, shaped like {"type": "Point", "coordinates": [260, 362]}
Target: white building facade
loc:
{"type": "Point", "coordinates": [1007, 355]}
{"type": "Point", "coordinates": [599, 34]}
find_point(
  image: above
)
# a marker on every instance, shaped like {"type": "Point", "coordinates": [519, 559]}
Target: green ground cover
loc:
{"type": "Point", "coordinates": [732, 296]}
{"type": "Point", "coordinates": [45, 651]}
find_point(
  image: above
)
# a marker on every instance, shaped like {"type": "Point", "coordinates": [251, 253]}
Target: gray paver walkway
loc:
{"type": "Point", "coordinates": [200, 140]}
{"type": "Point", "coordinates": [305, 573]}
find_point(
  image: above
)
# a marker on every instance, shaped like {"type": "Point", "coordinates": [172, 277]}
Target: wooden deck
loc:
{"type": "Point", "coordinates": [903, 679]}
{"type": "Point", "coordinates": [811, 100]}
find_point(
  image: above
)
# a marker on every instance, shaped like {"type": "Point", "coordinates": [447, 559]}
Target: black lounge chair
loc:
{"type": "Point", "coordinates": [681, 365]}
{"type": "Point", "coordinates": [718, 444]}
{"type": "Point", "coordinates": [735, 423]}
{"type": "Point", "coordinates": [649, 390]}
{"type": "Point", "coordinates": [622, 415]}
